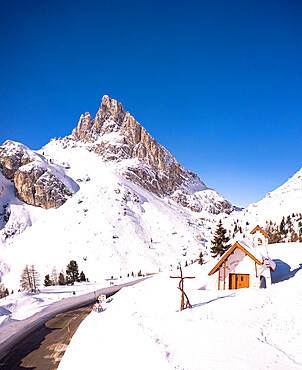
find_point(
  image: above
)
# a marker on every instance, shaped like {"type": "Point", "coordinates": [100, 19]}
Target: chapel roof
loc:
{"type": "Point", "coordinates": [259, 229]}
{"type": "Point", "coordinates": [246, 247]}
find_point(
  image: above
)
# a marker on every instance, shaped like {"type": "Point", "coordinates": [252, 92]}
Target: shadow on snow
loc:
{"type": "Point", "coordinates": [283, 271]}
{"type": "Point", "coordinates": [212, 300]}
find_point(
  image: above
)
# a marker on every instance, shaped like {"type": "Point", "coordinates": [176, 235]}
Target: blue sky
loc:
{"type": "Point", "coordinates": [218, 83]}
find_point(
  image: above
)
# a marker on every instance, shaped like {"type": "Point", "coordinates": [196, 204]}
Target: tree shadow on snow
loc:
{"type": "Point", "coordinates": [283, 271]}
{"type": "Point", "coordinates": [212, 300]}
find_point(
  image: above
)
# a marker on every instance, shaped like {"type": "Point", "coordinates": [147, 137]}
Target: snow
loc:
{"type": "Point", "coordinates": [22, 310]}
{"type": "Point", "coordinates": [283, 201]}
{"type": "Point", "coordinates": [107, 219]}
{"type": "Point", "coordinates": [113, 227]}
{"type": "Point", "coordinates": [142, 328]}
{"type": "Point", "coordinates": [112, 137]}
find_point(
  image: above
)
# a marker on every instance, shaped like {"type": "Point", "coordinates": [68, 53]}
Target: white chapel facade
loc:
{"type": "Point", "coordinates": [246, 264]}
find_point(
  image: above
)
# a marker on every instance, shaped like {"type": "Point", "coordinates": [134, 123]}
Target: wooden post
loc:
{"type": "Point", "coordinates": [219, 278]}
{"type": "Point", "coordinates": [224, 276]}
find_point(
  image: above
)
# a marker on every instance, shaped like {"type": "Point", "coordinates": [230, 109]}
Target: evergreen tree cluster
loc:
{"type": "Point", "coordinates": [71, 276]}
{"type": "Point", "coordinates": [3, 291]}
{"type": "Point", "coordinates": [238, 229]}
{"type": "Point", "coordinates": [289, 229]}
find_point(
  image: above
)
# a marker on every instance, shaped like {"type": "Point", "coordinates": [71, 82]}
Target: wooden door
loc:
{"type": "Point", "coordinates": [232, 281]}
{"type": "Point", "coordinates": [238, 281]}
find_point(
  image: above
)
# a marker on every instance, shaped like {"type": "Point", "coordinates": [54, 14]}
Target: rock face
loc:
{"type": "Point", "coordinates": [36, 182]}
{"type": "Point", "coordinates": [117, 137]}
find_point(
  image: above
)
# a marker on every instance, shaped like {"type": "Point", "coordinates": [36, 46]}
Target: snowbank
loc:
{"type": "Point", "coordinates": [143, 328]}
{"type": "Point", "coordinates": [21, 311]}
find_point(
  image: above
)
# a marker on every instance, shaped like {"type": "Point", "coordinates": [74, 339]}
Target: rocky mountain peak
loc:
{"type": "Point", "coordinates": [109, 118]}
{"type": "Point", "coordinates": [112, 106]}
{"type": "Point", "coordinates": [117, 137]}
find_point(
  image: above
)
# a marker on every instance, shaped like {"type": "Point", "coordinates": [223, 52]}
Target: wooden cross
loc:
{"type": "Point", "coordinates": [181, 288]}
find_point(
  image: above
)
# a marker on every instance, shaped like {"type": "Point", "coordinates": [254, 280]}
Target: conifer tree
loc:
{"type": "Point", "coordinates": [47, 281]}
{"type": "Point", "coordinates": [62, 280]}
{"type": "Point", "coordinates": [82, 276]}
{"type": "Point", "coordinates": [219, 243]}
{"type": "Point", "coordinates": [2, 291]}
{"type": "Point", "coordinates": [72, 272]}
{"type": "Point", "coordinates": [200, 259]}
{"type": "Point", "coordinates": [282, 226]}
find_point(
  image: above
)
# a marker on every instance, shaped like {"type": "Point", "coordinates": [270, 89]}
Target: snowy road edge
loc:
{"type": "Point", "coordinates": [15, 331]}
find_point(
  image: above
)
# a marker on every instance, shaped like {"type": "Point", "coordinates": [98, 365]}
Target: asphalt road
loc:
{"type": "Point", "coordinates": [43, 347]}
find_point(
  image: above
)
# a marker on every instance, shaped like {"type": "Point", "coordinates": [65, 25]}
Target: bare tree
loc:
{"type": "Point", "coordinates": [26, 280]}
{"type": "Point", "coordinates": [54, 276]}
{"type": "Point", "coordinates": [36, 279]}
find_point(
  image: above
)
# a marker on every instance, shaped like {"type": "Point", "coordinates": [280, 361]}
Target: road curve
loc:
{"type": "Point", "coordinates": [43, 345]}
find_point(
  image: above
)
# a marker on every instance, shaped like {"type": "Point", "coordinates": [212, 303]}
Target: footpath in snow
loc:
{"type": "Point", "coordinates": [142, 327]}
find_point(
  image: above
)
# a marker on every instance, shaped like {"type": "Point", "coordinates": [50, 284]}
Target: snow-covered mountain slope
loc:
{"type": "Point", "coordinates": [116, 200]}
{"type": "Point", "coordinates": [285, 201]}
{"type": "Point", "coordinates": [110, 226]}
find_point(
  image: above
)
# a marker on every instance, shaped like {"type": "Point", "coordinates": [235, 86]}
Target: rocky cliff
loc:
{"type": "Point", "coordinates": [36, 181]}
{"type": "Point", "coordinates": [117, 137]}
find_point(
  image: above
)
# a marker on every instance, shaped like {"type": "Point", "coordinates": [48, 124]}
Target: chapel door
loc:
{"type": "Point", "coordinates": [243, 281]}
{"type": "Point", "coordinates": [238, 281]}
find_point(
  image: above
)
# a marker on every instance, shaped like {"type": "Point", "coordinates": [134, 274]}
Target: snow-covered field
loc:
{"type": "Point", "coordinates": [142, 328]}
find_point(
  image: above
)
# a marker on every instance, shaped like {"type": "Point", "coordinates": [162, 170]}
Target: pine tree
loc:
{"type": "Point", "coordinates": [282, 226]}
{"type": "Point", "coordinates": [2, 291]}
{"type": "Point", "coordinates": [220, 241]}
{"type": "Point", "coordinates": [82, 276]}
{"type": "Point", "coordinates": [62, 280]}
{"type": "Point", "coordinates": [72, 272]}
{"type": "Point", "coordinates": [289, 224]}
{"type": "Point", "coordinates": [200, 259]}
{"type": "Point", "coordinates": [47, 281]}
{"type": "Point", "coordinates": [294, 236]}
